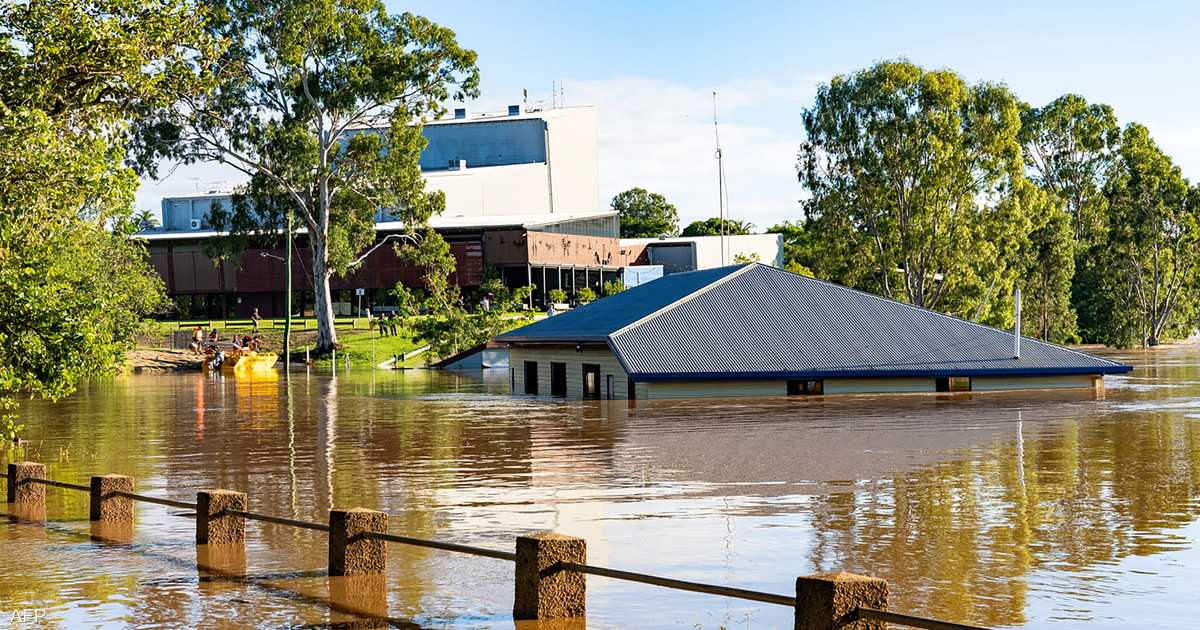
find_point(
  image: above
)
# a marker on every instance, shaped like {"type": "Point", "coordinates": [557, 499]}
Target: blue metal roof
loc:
{"type": "Point", "coordinates": [756, 321]}
{"type": "Point", "coordinates": [598, 320]}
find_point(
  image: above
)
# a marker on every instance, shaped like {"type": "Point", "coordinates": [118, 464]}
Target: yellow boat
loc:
{"type": "Point", "coordinates": [240, 362]}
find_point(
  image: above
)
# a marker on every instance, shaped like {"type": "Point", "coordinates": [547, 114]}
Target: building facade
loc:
{"type": "Point", "coordinates": [522, 202]}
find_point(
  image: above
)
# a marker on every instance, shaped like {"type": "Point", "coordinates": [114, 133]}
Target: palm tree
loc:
{"type": "Point", "coordinates": [145, 220]}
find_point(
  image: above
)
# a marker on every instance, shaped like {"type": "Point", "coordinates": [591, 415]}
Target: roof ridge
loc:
{"type": "Point", "coordinates": [686, 298]}
{"type": "Point", "coordinates": [940, 314]}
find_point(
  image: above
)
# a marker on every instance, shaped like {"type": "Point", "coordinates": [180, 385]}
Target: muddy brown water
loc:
{"type": "Point", "coordinates": [1009, 510]}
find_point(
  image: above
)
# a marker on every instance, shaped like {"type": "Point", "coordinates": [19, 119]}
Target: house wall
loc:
{"type": "Point", "coordinates": [994, 383]}
{"type": "Point", "coordinates": [758, 388]}
{"type": "Point", "coordinates": [544, 355]}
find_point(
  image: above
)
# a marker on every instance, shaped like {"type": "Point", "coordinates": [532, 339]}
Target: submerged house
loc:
{"type": "Point", "coordinates": [754, 330]}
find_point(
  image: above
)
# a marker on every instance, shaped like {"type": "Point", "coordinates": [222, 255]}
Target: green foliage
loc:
{"type": "Point", "coordinates": [613, 287]}
{"type": "Point", "coordinates": [913, 175]}
{"type": "Point", "coordinates": [712, 227]}
{"type": "Point", "coordinates": [1069, 146]}
{"type": "Point", "coordinates": [558, 296]}
{"type": "Point", "coordinates": [645, 214]}
{"type": "Point", "coordinates": [320, 104]}
{"type": "Point", "coordinates": [73, 75]}
{"type": "Point", "coordinates": [585, 295]}
{"type": "Point", "coordinates": [1153, 235]}
{"type": "Point", "coordinates": [742, 259]}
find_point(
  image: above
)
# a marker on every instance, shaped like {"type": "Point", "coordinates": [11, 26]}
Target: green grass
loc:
{"type": "Point", "coordinates": [367, 348]}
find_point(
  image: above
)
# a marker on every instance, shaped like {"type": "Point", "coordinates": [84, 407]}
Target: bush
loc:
{"type": "Point", "coordinates": [613, 287]}
{"type": "Point", "coordinates": [557, 296]}
{"type": "Point", "coordinates": [585, 295]}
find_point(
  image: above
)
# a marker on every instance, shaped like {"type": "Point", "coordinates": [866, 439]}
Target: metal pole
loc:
{"type": "Point", "coordinates": [287, 300]}
{"type": "Point", "coordinates": [1017, 329]}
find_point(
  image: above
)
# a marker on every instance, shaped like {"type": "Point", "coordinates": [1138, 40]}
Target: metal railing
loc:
{"type": "Point", "coordinates": [860, 613]}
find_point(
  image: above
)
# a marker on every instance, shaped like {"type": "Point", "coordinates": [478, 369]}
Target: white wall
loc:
{"type": "Point", "coordinates": [767, 247]}
{"type": "Point", "coordinates": [574, 151]}
{"type": "Point", "coordinates": [543, 356]}
{"type": "Point", "coordinates": [493, 190]}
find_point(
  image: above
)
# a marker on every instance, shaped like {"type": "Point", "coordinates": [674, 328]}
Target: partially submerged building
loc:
{"type": "Point", "coordinates": [755, 330]}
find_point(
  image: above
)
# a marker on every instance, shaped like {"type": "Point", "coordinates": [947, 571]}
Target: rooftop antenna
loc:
{"type": "Point", "coordinates": [720, 178]}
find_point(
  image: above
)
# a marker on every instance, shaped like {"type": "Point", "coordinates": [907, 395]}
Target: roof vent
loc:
{"type": "Point", "coordinates": [514, 110]}
{"type": "Point", "coordinates": [460, 112]}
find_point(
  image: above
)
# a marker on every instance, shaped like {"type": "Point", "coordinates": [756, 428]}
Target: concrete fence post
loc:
{"type": "Point", "coordinates": [827, 601]}
{"type": "Point", "coordinates": [350, 553]}
{"type": "Point", "coordinates": [21, 491]}
{"type": "Point", "coordinates": [544, 591]}
{"type": "Point", "coordinates": [108, 507]}
{"type": "Point", "coordinates": [213, 525]}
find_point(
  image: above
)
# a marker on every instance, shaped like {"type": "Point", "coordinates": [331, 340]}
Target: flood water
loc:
{"type": "Point", "coordinates": [1033, 509]}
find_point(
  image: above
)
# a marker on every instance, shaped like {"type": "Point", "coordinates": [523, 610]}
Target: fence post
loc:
{"type": "Point", "coordinates": [543, 591]}
{"type": "Point", "coordinates": [349, 552]}
{"type": "Point", "coordinates": [107, 507]}
{"type": "Point", "coordinates": [828, 601]}
{"type": "Point", "coordinates": [213, 525]}
{"type": "Point", "coordinates": [21, 491]}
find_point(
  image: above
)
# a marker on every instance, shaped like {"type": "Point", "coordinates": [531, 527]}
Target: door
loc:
{"type": "Point", "coordinates": [558, 379]}
{"type": "Point", "coordinates": [591, 381]}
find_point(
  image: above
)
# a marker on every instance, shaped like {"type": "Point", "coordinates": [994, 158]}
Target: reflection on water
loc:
{"type": "Point", "coordinates": [1036, 509]}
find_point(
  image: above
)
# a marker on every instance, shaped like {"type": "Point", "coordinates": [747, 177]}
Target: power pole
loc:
{"type": "Point", "coordinates": [287, 300]}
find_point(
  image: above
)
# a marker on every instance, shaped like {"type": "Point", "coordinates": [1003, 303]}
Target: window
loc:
{"type": "Point", "coordinates": [531, 378]}
{"type": "Point", "coordinates": [558, 379]}
{"type": "Point", "coordinates": [953, 384]}
{"type": "Point", "coordinates": [609, 380]}
{"type": "Point", "coordinates": [631, 389]}
{"type": "Point", "coordinates": [591, 381]}
{"type": "Point", "coordinates": [806, 388]}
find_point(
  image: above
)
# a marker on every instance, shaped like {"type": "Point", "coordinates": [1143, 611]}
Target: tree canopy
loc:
{"type": "Point", "coordinates": [73, 76]}
{"type": "Point", "coordinates": [712, 227]}
{"type": "Point", "coordinates": [320, 104]}
{"type": "Point", "coordinates": [645, 214]}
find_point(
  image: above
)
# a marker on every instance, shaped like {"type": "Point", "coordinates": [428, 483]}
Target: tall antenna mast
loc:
{"type": "Point", "coordinates": [720, 178]}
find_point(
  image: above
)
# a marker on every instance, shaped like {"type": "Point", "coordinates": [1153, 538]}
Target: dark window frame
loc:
{"type": "Point", "coordinates": [531, 385]}
{"type": "Point", "coordinates": [806, 387]}
{"type": "Point", "coordinates": [953, 384]}
{"type": "Point", "coordinates": [558, 378]}
{"type": "Point", "coordinates": [592, 393]}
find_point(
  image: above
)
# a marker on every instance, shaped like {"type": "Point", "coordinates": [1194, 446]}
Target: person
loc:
{"type": "Point", "coordinates": [247, 343]}
{"type": "Point", "coordinates": [383, 324]}
{"type": "Point", "coordinates": [214, 335]}
{"type": "Point", "coordinates": [197, 339]}
{"type": "Point", "coordinates": [392, 323]}
{"type": "Point", "coordinates": [486, 302]}
{"type": "Point", "coordinates": [255, 318]}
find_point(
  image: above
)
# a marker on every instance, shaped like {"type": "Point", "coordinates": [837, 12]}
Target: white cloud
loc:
{"type": "Point", "coordinates": [659, 135]}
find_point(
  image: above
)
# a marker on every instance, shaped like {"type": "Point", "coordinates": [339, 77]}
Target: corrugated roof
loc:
{"type": "Point", "coordinates": [769, 323]}
{"type": "Point", "coordinates": [598, 320]}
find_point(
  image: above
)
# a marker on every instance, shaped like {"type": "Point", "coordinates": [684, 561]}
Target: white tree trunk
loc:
{"type": "Point", "coordinates": [323, 304]}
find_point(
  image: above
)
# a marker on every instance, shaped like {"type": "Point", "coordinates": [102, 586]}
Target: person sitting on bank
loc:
{"type": "Point", "coordinates": [197, 344]}
{"type": "Point", "coordinates": [214, 335]}
{"type": "Point", "coordinates": [247, 343]}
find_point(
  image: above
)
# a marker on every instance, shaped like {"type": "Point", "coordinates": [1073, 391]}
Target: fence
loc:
{"type": "Point", "coordinates": [550, 568]}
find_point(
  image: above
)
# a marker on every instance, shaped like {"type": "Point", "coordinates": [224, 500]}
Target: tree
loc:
{"type": "Point", "coordinates": [1069, 146]}
{"type": "Point", "coordinates": [614, 286]}
{"type": "Point", "coordinates": [1048, 275]}
{"type": "Point", "coordinates": [585, 295]}
{"type": "Point", "coordinates": [1153, 232]}
{"type": "Point", "coordinates": [320, 104]}
{"type": "Point", "coordinates": [72, 76]}
{"type": "Point", "coordinates": [645, 214]}
{"type": "Point", "coordinates": [919, 172]}
{"type": "Point", "coordinates": [145, 220]}
{"type": "Point", "coordinates": [712, 227]}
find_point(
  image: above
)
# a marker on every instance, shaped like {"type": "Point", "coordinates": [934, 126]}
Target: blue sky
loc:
{"type": "Point", "coordinates": [650, 69]}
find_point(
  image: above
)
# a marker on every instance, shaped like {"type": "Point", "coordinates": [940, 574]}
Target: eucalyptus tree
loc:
{"type": "Point", "coordinates": [1069, 146]}
{"type": "Point", "coordinates": [1154, 234]}
{"type": "Point", "coordinates": [923, 169]}
{"type": "Point", "coordinates": [73, 75]}
{"type": "Point", "coordinates": [319, 103]}
{"type": "Point", "coordinates": [712, 227]}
